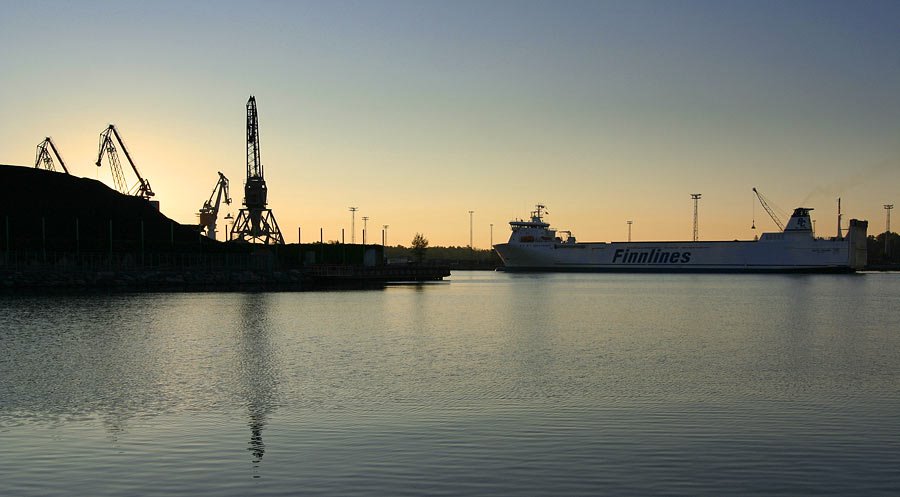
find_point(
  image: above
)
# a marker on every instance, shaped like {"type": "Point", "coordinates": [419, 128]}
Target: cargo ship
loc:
{"type": "Point", "coordinates": [535, 246]}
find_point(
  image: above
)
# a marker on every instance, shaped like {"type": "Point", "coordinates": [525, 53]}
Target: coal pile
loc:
{"type": "Point", "coordinates": [50, 211]}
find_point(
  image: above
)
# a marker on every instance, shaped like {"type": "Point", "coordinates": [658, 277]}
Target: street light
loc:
{"type": "Point", "coordinates": [629, 230]}
{"type": "Point", "coordinates": [471, 245]}
{"type": "Point", "coordinates": [229, 220]}
{"type": "Point", "coordinates": [492, 235]}
{"type": "Point", "coordinates": [384, 236]}
{"type": "Point", "coordinates": [887, 229]}
{"type": "Point", "coordinates": [365, 224]}
{"type": "Point", "coordinates": [353, 224]}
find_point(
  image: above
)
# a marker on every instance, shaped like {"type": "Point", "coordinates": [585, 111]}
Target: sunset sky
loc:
{"type": "Point", "coordinates": [418, 112]}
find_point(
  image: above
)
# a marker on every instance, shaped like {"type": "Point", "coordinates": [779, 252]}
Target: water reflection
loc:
{"type": "Point", "coordinates": [257, 368]}
{"type": "Point", "coordinates": [107, 360]}
{"type": "Point", "coordinates": [493, 385]}
{"type": "Point", "coordinates": [75, 357]}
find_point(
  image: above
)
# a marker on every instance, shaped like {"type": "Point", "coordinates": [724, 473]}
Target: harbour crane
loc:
{"type": "Point", "coordinates": [765, 204]}
{"type": "Point", "coordinates": [43, 159]}
{"type": "Point", "coordinates": [142, 188]}
{"type": "Point", "coordinates": [255, 222]}
{"type": "Point", "coordinates": [210, 210]}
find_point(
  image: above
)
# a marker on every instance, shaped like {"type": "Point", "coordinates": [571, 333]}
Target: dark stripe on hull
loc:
{"type": "Point", "coordinates": [682, 269]}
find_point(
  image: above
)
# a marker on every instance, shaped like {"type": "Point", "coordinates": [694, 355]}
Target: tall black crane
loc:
{"type": "Point", "coordinates": [43, 159]}
{"type": "Point", "coordinates": [255, 223]}
{"type": "Point", "coordinates": [142, 188]}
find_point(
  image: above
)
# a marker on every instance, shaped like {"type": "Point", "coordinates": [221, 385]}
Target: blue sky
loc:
{"type": "Point", "coordinates": [418, 112]}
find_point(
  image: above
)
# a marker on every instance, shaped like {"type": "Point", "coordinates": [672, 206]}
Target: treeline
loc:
{"type": "Point", "coordinates": [881, 253]}
{"type": "Point", "coordinates": [458, 257]}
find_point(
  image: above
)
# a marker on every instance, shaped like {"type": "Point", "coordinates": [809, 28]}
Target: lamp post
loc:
{"type": "Point", "coordinates": [629, 229]}
{"type": "Point", "coordinates": [471, 245]}
{"type": "Point", "coordinates": [353, 224]}
{"type": "Point", "coordinates": [384, 235]}
{"type": "Point", "coordinates": [492, 235]}
{"type": "Point", "coordinates": [887, 230]}
{"type": "Point", "coordinates": [365, 225]}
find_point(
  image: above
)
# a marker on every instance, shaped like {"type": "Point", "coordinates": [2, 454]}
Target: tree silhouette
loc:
{"type": "Point", "coordinates": [419, 244]}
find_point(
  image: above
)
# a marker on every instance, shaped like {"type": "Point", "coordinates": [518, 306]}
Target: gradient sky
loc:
{"type": "Point", "coordinates": [417, 112]}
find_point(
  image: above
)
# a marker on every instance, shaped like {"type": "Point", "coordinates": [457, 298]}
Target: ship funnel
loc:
{"type": "Point", "coordinates": [800, 220]}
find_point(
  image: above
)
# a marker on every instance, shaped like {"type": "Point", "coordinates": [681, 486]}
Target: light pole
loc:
{"type": "Point", "coordinates": [696, 197]}
{"type": "Point", "coordinates": [365, 224]}
{"type": "Point", "coordinates": [229, 220]}
{"type": "Point", "coordinates": [471, 245]}
{"type": "Point", "coordinates": [492, 235]}
{"type": "Point", "coordinates": [629, 229]}
{"type": "Point", "coordinates": [353, 224]}
{"type": "Point", "coordinates": [887, 230]}
{"type": "Point", "coordinates": [384, 235]}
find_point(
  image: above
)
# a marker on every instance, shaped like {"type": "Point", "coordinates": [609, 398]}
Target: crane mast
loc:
{"type": "Point", "coordinates": [142, 188]}
{"type": "Point", "coordinates": [209, 213]}
{"type": "Point", "coordinates": [254, 165]}
{"type": "Point", "coordinates": [255, 191]}
{"type": "Point", "coordinates": [43, 159]}
{"type": "Point", "coordinates": [255, 223]}
{"type": "Point", "coordinates": [768, 208]}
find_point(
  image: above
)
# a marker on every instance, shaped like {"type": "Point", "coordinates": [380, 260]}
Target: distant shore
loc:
{"type": "Point", "coordinates": [882, 267]}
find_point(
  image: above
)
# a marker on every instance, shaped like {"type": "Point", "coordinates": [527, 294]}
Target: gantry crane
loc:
{"type": "Point", "coordinates": [763, 201]}
{"type": "Point", "coordinates": [210, 210]}
{"type": "Point", "coordinates": [142, 188]}
{"type": "Point", "coordinates": [43, 159]}
{"type": "Point", "coordinates": [255, 222]}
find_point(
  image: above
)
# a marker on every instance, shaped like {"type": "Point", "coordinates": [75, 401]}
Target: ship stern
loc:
{"type": "Point", "coordinates": [858, 256]}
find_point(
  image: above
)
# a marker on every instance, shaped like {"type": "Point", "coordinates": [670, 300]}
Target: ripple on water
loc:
{"type": "Point", "coordinates": [493, 384]}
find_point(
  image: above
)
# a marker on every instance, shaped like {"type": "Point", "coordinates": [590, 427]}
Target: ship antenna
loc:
{"type": "Point", "coordinates": [840, 235]}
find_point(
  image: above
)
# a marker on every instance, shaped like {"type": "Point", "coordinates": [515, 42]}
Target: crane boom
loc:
{"type": "Point", "coordinates": [45, 160]}
{"type": "Point", "coordinates": [209, 213]}
{"type": "Point", "coordinates": [107, 145]}
{"type": "Point", "coordinates": [768, 208]}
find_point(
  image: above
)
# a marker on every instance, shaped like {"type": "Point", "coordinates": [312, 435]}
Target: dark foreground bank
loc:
{"type": "Point", "coordinates": [61, 232]}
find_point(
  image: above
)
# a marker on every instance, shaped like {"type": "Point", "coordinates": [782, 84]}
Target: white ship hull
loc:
{"type": "Point", "coordinates": [535, 247]}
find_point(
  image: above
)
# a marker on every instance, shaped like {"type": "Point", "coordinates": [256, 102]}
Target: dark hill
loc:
{"type": "Point", "coordinates": [46, 210]}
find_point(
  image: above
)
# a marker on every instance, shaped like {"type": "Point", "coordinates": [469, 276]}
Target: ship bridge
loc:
{"type": "Point", "coordinates": [535, 230]}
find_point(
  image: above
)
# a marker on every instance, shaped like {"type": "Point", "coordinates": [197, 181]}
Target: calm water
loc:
{"type": "Point", "coordinates": [491, 384]}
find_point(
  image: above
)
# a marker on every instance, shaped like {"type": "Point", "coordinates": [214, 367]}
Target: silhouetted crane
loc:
{"type": "Point", "coordinates": [209, 213]}
{"type": "Point", "coordinates": [142, 188]}
{"type": "Point", "coordinates": [255, 222]}
{"type": "Point", "coordinates": [43, 159]}
{"type": "Point", "coordinates": [764, 202]}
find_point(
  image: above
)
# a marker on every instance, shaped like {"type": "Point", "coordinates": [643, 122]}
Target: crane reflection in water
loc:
{"type": "Point", "coordinates": [258, 375]}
